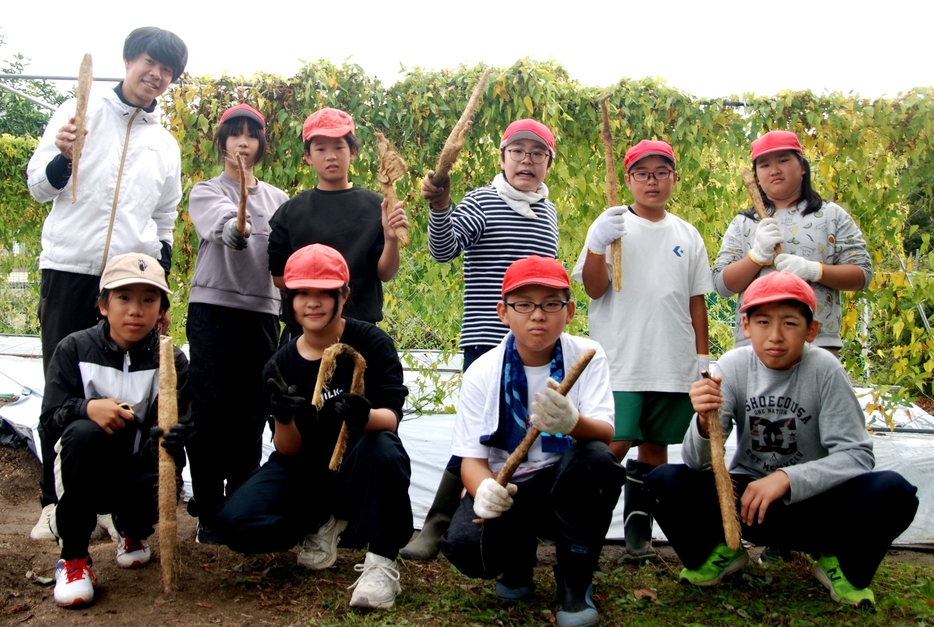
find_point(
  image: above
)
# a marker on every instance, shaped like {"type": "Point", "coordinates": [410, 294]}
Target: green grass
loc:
{"type": "Point", "coordinates": [435, 594]}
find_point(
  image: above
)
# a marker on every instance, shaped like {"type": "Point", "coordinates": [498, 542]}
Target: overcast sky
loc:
{"type": "Point", "coordinates": [704, 48]}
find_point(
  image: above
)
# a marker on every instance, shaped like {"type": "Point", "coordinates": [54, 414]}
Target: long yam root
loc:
{"type": "Point", "coordinates": [612, 194]}
{"type": "Point", "coordinates": [725, 494]}
{"type": "Point", "coordinates": [85, 77]}
{"type": "Point", "coordinates": [455, 141]}
{"type": "Point", "coordinates": [168, 497]}
{"type": "Point", "coordinates": [325, 372]}
{"type": "Point", "coordinates": [391, 169]}
{"type": "Point", "coordinates": [244, 195]}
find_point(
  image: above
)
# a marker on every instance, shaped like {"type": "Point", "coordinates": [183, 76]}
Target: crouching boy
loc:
{"type": "Point", "coordinates": [570, 482]}
{"type": "Point", "coordinates": [100, 408]}
{"type": "Point", "coordinates": [803, 463]}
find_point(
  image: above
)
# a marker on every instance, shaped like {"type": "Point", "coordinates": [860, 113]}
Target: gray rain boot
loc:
{"type": "Point", "coordinates": [447, 499]}
{"type": "Point", "coordinates": [637, 522]}
{"type": "Point", "coordinates": [574, 583]}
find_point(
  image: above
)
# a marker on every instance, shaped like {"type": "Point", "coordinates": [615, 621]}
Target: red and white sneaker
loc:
{"type": "Point", "coordinates": [132, 553]}
{"type": "Point", "coordinates": [74, 583]}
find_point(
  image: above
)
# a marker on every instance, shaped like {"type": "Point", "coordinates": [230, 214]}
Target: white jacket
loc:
{"type": "Point", "coordinates": [129, 187]}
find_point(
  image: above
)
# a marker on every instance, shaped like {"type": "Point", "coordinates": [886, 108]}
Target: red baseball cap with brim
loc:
{"type": "Point", "coordinates": [318, 267]}
{"type": "Point", "coordinates": [327, 122]}
{"type": "Point", "coordinates": [529, 129]}
{"type": "Point", "coordinates": [535, 270]}
{"type": "Point", "coordinates": [778, 286]}
{"type": "Point", "coordinates": [648, 148]}
{"type": "Point", "coordinates": [244, 111]}
{"type": "Point", "coordinates": [773, 141]}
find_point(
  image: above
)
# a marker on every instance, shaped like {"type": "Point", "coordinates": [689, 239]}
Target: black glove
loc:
{"type": "Point", "coordinates": [353, 409]}
{"type": "Point", "coordinates": [284, 401]}
{"type": "Point", "coordinates": [173, 441]}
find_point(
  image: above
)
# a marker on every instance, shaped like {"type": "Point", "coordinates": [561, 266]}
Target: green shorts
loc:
{"type": "Point", "coordinates": [655, 417]}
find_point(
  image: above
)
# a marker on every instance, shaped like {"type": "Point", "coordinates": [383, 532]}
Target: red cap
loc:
{"type": "Point", "coordinates": [535, 270]}
{"type": "Point", "coordinates": [529, 129]}
{"type": "Point", "coordinates": [773, 141]}
{"type": "Point", "coordinates": [327, 122]}
{"type": "Point", "coordinates": [316, 266]}
{"type": "Point", "coordinates": [647, 148]}
{"type": "Point", "coordinates": [244, 111]}
{"type": "Point", "coordinates": [777, 286]}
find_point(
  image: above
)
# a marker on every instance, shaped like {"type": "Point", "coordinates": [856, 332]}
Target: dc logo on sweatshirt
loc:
{"type": "Point", "coordinates": [773, 436]}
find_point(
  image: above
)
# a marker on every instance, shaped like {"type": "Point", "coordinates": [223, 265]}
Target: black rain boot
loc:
{"type": "Point", "coordinates": [574, 583]}
{"type": "Point", "coordinates": [447, 499]}
{"type": "Point", "coordinates": [637, 521]}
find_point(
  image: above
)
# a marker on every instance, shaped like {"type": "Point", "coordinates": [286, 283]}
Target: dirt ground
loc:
{"type": "Point", "coordinates": [215, 585]}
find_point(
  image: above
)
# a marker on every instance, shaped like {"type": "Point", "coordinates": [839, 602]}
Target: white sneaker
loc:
{"type": "Point", "coordinates": [319, 550]}
{"type": "Point", "coordinates": [132, 553]}
{"type": "Point", "coordinates": [105, 529]}
{"type": "Point", "coordinates": [74, 583]}
{"type": "Point", "coordinates": [377, 587]}
{"type": "Point", "coordinates": [42, 530]}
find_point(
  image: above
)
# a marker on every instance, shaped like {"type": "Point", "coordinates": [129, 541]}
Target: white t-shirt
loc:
{"type": "Point", "coordinates": [645, 328]}
{"type": "Point", "coordinates": [478, 406]}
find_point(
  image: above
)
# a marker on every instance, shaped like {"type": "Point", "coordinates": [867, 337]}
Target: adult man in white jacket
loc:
{"type": "Point", "coordinates": [127, 198]}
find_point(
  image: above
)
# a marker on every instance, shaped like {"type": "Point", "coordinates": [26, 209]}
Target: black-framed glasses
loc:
{"type": "Point", "coordinates": [642, 176]}
{"type": "Point", "coordinates": [536, 156]}
{"type": "Point", "coordinates": [549, 306]}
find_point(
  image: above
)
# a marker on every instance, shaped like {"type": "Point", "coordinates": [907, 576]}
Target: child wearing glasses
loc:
{"type": "Point", "coordinates": [654, 330]}
{"type": "Point", "coordinates": [569, 483]}
{"type": "Point", "coordinates": [493, 226]}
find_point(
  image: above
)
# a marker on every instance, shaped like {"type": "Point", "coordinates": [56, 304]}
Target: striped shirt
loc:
{"type": "Point", "coordinates": [491, 236]}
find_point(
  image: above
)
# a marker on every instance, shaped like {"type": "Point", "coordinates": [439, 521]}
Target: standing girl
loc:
{"type": "Point", "coordinates": [295, 495]}
{"type": "Point", "coordinates": [232, 317]}
{"type": "Point", "coordinates": [819, 240]}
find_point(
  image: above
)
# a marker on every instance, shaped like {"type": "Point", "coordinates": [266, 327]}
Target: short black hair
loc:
{"type": "Point", "coordinates": [104, 299]}
{"type": "Point", "coordinates": [233, 126]}
{"type": "Point", "coordinates": [164, 46]}
{"type": "Point", "coordinates": [288, 312]}
{"type": "Point", "coordinates": [350, 138]}
{"type": "Point", "coordinates": [803, 309]}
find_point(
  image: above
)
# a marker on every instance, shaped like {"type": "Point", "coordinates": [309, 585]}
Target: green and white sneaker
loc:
{"type": "Point", "coordinates": [828, 572]}
{"type": "Point", "coordinates": [722, 562]}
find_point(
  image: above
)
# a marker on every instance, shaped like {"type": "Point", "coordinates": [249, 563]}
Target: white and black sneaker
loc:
{"type": "Point", "coordinates": [319, 550]}
{"type": "Point", "coordinates": [74, 583]}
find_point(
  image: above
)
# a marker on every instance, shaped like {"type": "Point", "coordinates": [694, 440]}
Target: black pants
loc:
{"type": "Point", "coordinates": [228, 348]}
{"type": "Point", "coordinates": [96, 474]}
{"type": "Point", "coordinates": [574, 500]}
{"type": "Point", "coordinates": [284, 501]}
{"type": "Point", "coordinates": [67, 303]}
{"type": "Point", "coordinates": [856, 521]}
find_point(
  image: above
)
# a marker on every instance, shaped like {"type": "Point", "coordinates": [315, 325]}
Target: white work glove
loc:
{"type": "Point", "coordinates": [232, 237]}
{"type": "Point", "coordinates": [553, 413]}
{"type": "Point", "coordinates": [768, 236]}
{"type": "Point", "coordinates": [492, 499]}
{"type": "Point", "coordinates": [703, 363]}
{"type": "Point", "coordinates": [609, 227]}
{"type": "Point", "coordinates": [807, 270]}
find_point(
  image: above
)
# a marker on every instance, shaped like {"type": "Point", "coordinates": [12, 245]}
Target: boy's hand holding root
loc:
{"type": "Point", "coordinates": [173, 441]}
{"type": "Point", "coordinates": [284, 401]}
{"type": "Point", "coordinates": [231, 236]}
{"type": "Point", "coordinates": [706, 396]}
{"type": "Point", "coordinates": [606, 229]}
{"type": "Point", "coordinates": [553, 413]}
{"type": "Point", "coordinates": [492, 499]}
{"type": "Point", "coordinates": [109, 414]}
{"type": "Point", "coordinates": [394, 219]}
{"type": "Point", "coordinates": [438, 196]}
{"type": "Point", "coordinates": [353, 409]}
